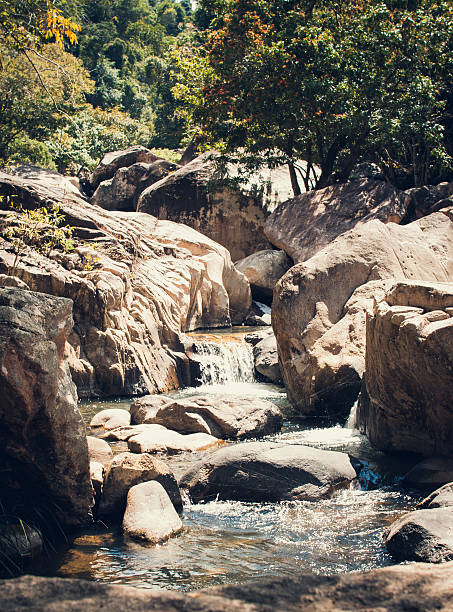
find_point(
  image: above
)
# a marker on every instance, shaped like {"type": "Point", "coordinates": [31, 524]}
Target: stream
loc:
{"type": "Point", "coordinates": [231, 542]}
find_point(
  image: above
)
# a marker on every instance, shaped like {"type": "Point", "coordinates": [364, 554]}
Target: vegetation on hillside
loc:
{"type": "Point", "coordinates": [332, 82]}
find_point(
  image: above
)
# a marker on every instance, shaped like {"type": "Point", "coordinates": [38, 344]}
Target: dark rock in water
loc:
{"type": "Point", "coordinates": [423, 535]}
{"type": "Point", "coordinates": [231, 217]}
{"type": "Point", "coordinates": [129, 469]}
{"type": "Point", "coordinates": [150, 516]}
{"type": "Point", "coordinates": [260, 472]}
{"type": "Point", "coordinates": [43, 446]}
{"type": "Point", "coordinates": [415, 588]}
{"type": "Point", "coordinates": [263, 269]}
{"type": "Point", "coordinates": [266, 359]}
{"type": "Point", "coordinates": [222, 417]}
{"type": "Point", "coordinates": [431, 472]}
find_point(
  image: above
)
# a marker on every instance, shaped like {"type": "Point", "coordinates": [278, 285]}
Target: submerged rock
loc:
{"type": "Point", "coordinates": [222, 417]}
{"type": "Point", "coordinates": [265, 471]}
{"type": "Point", "coordinates": [150, 516]}
{"type": "Point", "coordinates": [129, 469]}
{"type": "Point", "coordinates": [423, 535]}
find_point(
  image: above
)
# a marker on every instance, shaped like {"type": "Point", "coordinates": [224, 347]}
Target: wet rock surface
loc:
{"type": "Point", "coordinates": [268, 472]}
{"type": "Point", "coordinates": [150, 517]}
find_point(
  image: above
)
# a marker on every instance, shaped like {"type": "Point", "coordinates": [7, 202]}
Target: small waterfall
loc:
{"type": "Point", "coordinates": [223, 361]}
{"type": "Point", "coordinates": [351, 423]}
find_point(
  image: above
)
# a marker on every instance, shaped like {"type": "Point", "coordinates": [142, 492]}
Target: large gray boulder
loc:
{"type": "Point", "coordinates": [265, 354]}
{"type": "Point", "coordinates": [43, 446]}
{"type": "Point", "coordinates": [222, 417]}
{"type": "Point", "coordinates": [319, 308]}
{"type": "Point", "coordinates": [231, 217]}
{"type": "Point", "coordinates": [143, 409]}
{"type": "Point", "coordinates": [114, 160]}
{"type": "Point", "coordinates": [304, 225]}
{"type": "Point", "coordinates": [123, 190]}
{"type": "Point", "coordinates": [417, 587]}
{"type": "Point", "coordinates": [423, 535]}
{"type": "Point", "coordinates": [111, 418]}
{"type": "Point", "coordinates": [406, 400]}
{"type": "Point", "coordinates": [266, 471]}
{"type": "Point", "coordinates": [137, 283]}
{"type": "Point", "coordinates": [263, 269]}
{"type": "Point", "coordinates": [127, 470]}
{"type": "Point", "coordinates": [150, 517]}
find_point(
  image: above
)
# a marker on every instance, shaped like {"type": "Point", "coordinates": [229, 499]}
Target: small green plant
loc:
{"type": "Point", "coordinates": [40, 229]}
{"type": "Point", "coordinates": [89, 262]}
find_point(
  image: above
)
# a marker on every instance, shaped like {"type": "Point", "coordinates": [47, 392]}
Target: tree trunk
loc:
{"type": "Point", "coordinates": [294, 182]}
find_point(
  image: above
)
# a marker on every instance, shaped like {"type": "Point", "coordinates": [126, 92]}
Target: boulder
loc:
{"type": "Point", "coordinates": [268, 472]}
{"type": "Point", "coordinates": [97, 471]}
{"type": "Point", "coordinates": [428, 199]}
{"type": "Point", "coordinates": [111, 418]}
{"type": "Point", "coordinates": [12, 281]}
{"type": "Point", "coordinates": [127, 470]}
{"type": "Point", "coordinates": [222, 417]}
{"type": "Point", "coordinates": [43, 446]}
{"type": "Point", "coordinates": [229, 216]}
{"type": "Point", "coordinates": [122, 434]}
{"type": "Point", "coordinates": [423, 535]}
{"type": "Point", "coordinates": [159, 439]}
{"type": "Point", "coordinates": [99, 451]}
{"type": "Point", "coordinates": [430, 473]}
{"type": "Point", "coordinates": [123, 190]}
{"type": "Point", "coordinates": [150, 516]}
{"type": "Point", "coordinates": [266, 359]}
{"type": "Point", "coordinates": [143, 409]}
{"type": "Point", "coordinates": [259, 314]}
{"type": "Point", "coordinates": [410, 348]}
{"type": "Point", "coordinates": [114, 160]}
{"type": "Point", "coordinates": [307, 223]}
{"type": "Point", "coordinates": [254, 337]}
{"type": "Point", "coordinates": [417, 587]}
{"type": "Point", "coordinates": [263, 269]}
{"type": "Point", "coordinates": [319, 307]}
{"type": "Point", "coordinates": [440, 498]}
{"type": "Point", "coordinates": [137, 283]}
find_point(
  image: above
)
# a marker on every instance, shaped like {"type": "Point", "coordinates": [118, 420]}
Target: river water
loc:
{"type": "Point", "coordinates": [228, 542]}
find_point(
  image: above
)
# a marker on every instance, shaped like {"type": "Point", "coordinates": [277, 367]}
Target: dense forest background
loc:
{"type": "Point", "coordinates": [333, 83]}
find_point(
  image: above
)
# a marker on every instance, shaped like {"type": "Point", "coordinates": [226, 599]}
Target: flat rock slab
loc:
{"type": "Point", "coordinates": [222, 417]}
{"type": "Point", "coordinates": [423, 535]}
{"type": "Point", "coordinates": [417, 587]}
{"type": "Point", "coordinates": [159, 439]}
{"type": "Point", "coordinates": [264, 471]}
{"type": "Point", "coordinates": [150, 516]}
{"type": "Point", "coordinates": [111, 418]}
{"type": "Point", "coordinates": [127, 470]}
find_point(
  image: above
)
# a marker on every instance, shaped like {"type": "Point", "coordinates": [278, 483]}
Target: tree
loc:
{"type": "Point", "coordinates": [331, 82]}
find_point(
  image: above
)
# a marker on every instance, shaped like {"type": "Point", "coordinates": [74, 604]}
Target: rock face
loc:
{"type": "Point", "coordinates": [142, 283]}
{"type": "Point", "coordinates": [440, 498]}
{"type": "Point", "coordinates": [231, 218]}
{"type": "Point", "coordinates": [123, 190]}
{"type": "Point", "coordinates": [304, 225]}
{"type": "Point", "coordinates": [150, 516]}
{"type": "Point", "coordinates": [319, 306]}
{"type": "Point", "coordinates": [222, 417]}
{"type": "Point", "coordinates": [43, 447]}
{"type": "Point", "coordinates": [127, 470]}
{"type": "Point", "coordinates": [264, 471]}
{"type": "Point", "coordinates": [408, 386]}
{"type": "Point", "coordinates": [416, 587]}
{"type": "Point", "coordinates": [430, 473]}
{"type": "Point", "coordinates": [114, 160]}
{"type": "Point", "coordinates": [263, 270]}
{"type": "Point", "coordinates": [423, 535]}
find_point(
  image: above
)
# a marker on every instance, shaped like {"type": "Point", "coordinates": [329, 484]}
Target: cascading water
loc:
{"type": "Point", "coordinates": [223, 360]}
